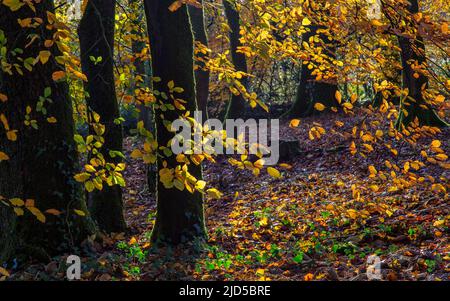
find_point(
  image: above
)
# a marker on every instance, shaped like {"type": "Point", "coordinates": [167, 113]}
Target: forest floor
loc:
{"type": "Point", "coordinates": [321, 221]}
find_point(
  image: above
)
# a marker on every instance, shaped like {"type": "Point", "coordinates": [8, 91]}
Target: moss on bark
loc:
{"type": "Point", "coordinates": [96, 33]}
{"type": "Point", "coordinates": [180, 216]}
{"type": "Point", "coordinates": [42, 161]}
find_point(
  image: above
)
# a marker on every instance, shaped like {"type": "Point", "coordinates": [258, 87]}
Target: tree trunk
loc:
{"type": "Point", "coordinates": [143, 69]}
{"type": "Point", "coordinates": [237, 103]}
{"type": "Point", "coordinates": [310, 91]}
{"type": "Point", "coordinates": [413, 50]}
{"type": "Point", "coordinates": [197, 18]}
{"type": "Point", "coordinates": [96, 33]}
{"type": "Point", "coordinates": [43, 161]}
{"type": "Point", "coordinates": [180, 216]}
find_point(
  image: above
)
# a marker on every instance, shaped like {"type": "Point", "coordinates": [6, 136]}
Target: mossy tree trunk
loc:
{"type": "Point", "coordinates": [237, 103]}
{"type": "Point", "coordinates": [96, 33]}
{"type": "Point", "coordinates": [413, 50]}
{"type": "Point", "coordinates": [43, 160]}
{"type": "Point", "coordinates": [197, 18]}
{"type": "Point", "coordinates": [310, 91]}
{"type": "Point", "coordinates": [180, 216]}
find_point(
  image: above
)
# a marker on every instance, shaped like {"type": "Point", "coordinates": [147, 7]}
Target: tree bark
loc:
{"type": "Point", "coordinates": [180, 216]}
{"type": "Point", "coordinates": [43, 161]}
{"type": "Point", "coordinates": [197, 18]}
{"type": "Point", "coordinates": [310, 91]}
{"type": "Point", "coordinates": [96, 33]}
{"type": "Point", "coordinates": [237, 103]}
{"type": "Point", "coordinates": [413, 50]}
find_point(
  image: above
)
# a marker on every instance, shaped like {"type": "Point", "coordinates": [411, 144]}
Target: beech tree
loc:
{"type": "Point", "coordinates": [412, 57]}
{"type": "Point", "coordinates": [197, 18]}
{"type": "Point", "coordinates": [237, 103]}
{"type": "Point", "coordinates": [96, 33]}
{"type": "Point", "coordinates": [37, 134]}
{"type": "Point", "coordinates": [180, 214]}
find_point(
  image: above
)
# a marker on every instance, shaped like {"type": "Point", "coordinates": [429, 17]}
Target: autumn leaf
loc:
{"type": "Point", "coordinates": [338, 96]}
{"type": "Point", "coordinates": [53, 212]}
{"type": "Point", "coordinates": [273, 172]}
{"type": "Point", "coordinates": [52, 120]}
{"type": "Point", "coordinates": [14, 5]}
{"type": "Point", "coordinates": [57, 75]}
{"type": "Point", "coordinates": [3, 97]}
{"type": "Point", "coordinates": [3, 157]}
{"type": "Point", "coordinates": [319, 107]}
{"type": "Point", "coordinates": [44, 55]}
{"type": "Point", "coordinates": [306, 21]}
{"type": "Point", "coordinates": [17, 202]}
{"type": "Point", "coordinates": [4, 272]}
{"type": "Point", "coordinates": [79, 212]}
{"type": "Point", "coordinates": [36, 212]}
{"type": "Point", "coordinates": [436, 143]}
{"type": "Point", "coordinates": [294, 123]}
{"type": "Point", "coordinates": [214, 193]}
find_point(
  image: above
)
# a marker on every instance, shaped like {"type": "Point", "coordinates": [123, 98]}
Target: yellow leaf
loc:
{"type": "Point", "coordinates": [263, 222]}
{"type": "Point", "coordinates": [3, 157]}
{"type": "Point", "coordinates": [36, 212]}
{"type": "Point", "coordinates": [4, 272]}
{"type": "Point", "coordinates": [436, 143]}
{"type": "Point", "coordinates": [273, 172]}
{"type": "Point", "coordinates": [44, 55]}
{"type": "Point", "coordinates": [200, 185]}
{"type": "Point", "coordinates": [441, 157]}
{"type": "Point", "coordinates": [11, 135]}
{"type": "Point", "coordinates": [82, 177]}
{"type": "Point", "coordinates": [376, 23]}
{"type": "Point", "coordinates": [352, 213]}
{"type": "Point", "coordinates": [132, 241]}
{"type": "Point", "coordinates": [374, 188]}
{"type": "Point", "coordinates": [259, 163]}
{"type": "Point", "coordinates": [294, 123]}
{"type": "Point", "coordinates": [79, 212]}
{"type": "Point", "coordinates": [3, 97]}
{"type": "Point", "coordinates": [439, 223]}
{"type": "Point", "coordinates": [135, 154]}
{"type": "Point", "coordinates": [347, 105]}
{"type": "Point", "coordinates": [18, 211]}
{"type": "Point", "coordinates": [52, 120]}
{"type": "Point", "coordinates": [13, 4]}
{"type": "Point", "coordinates": [306, 21]}
{"type": "Point", "coordinates": [17, 202]}
{"type": "Point", "coordinates": [372, 170]}
{"type": "Point", "coordinates": [214, 193]}
{"type": "Point", "coordinates": [338, 96]}
{"type": "Point", "coordinates": [319, 107]}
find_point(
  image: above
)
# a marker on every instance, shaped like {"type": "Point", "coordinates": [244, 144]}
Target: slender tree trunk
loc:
{"type": "Point", "coordinates": [237, 103]}
{"type": "Point", "coordinates": [144, 70]}
{"type": "Point", "coordinates": [197, 18]}
{"type": "Point", "coordinates": [413, 50]}
{"type": "Point", "coordinates": [310, 91]}
{"type": "Point", "coordinates": [180, 214]}
{"type": "Point", "coordinates": [96, 32]}
{"type": "Point", "coordinates": [43, 160]}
